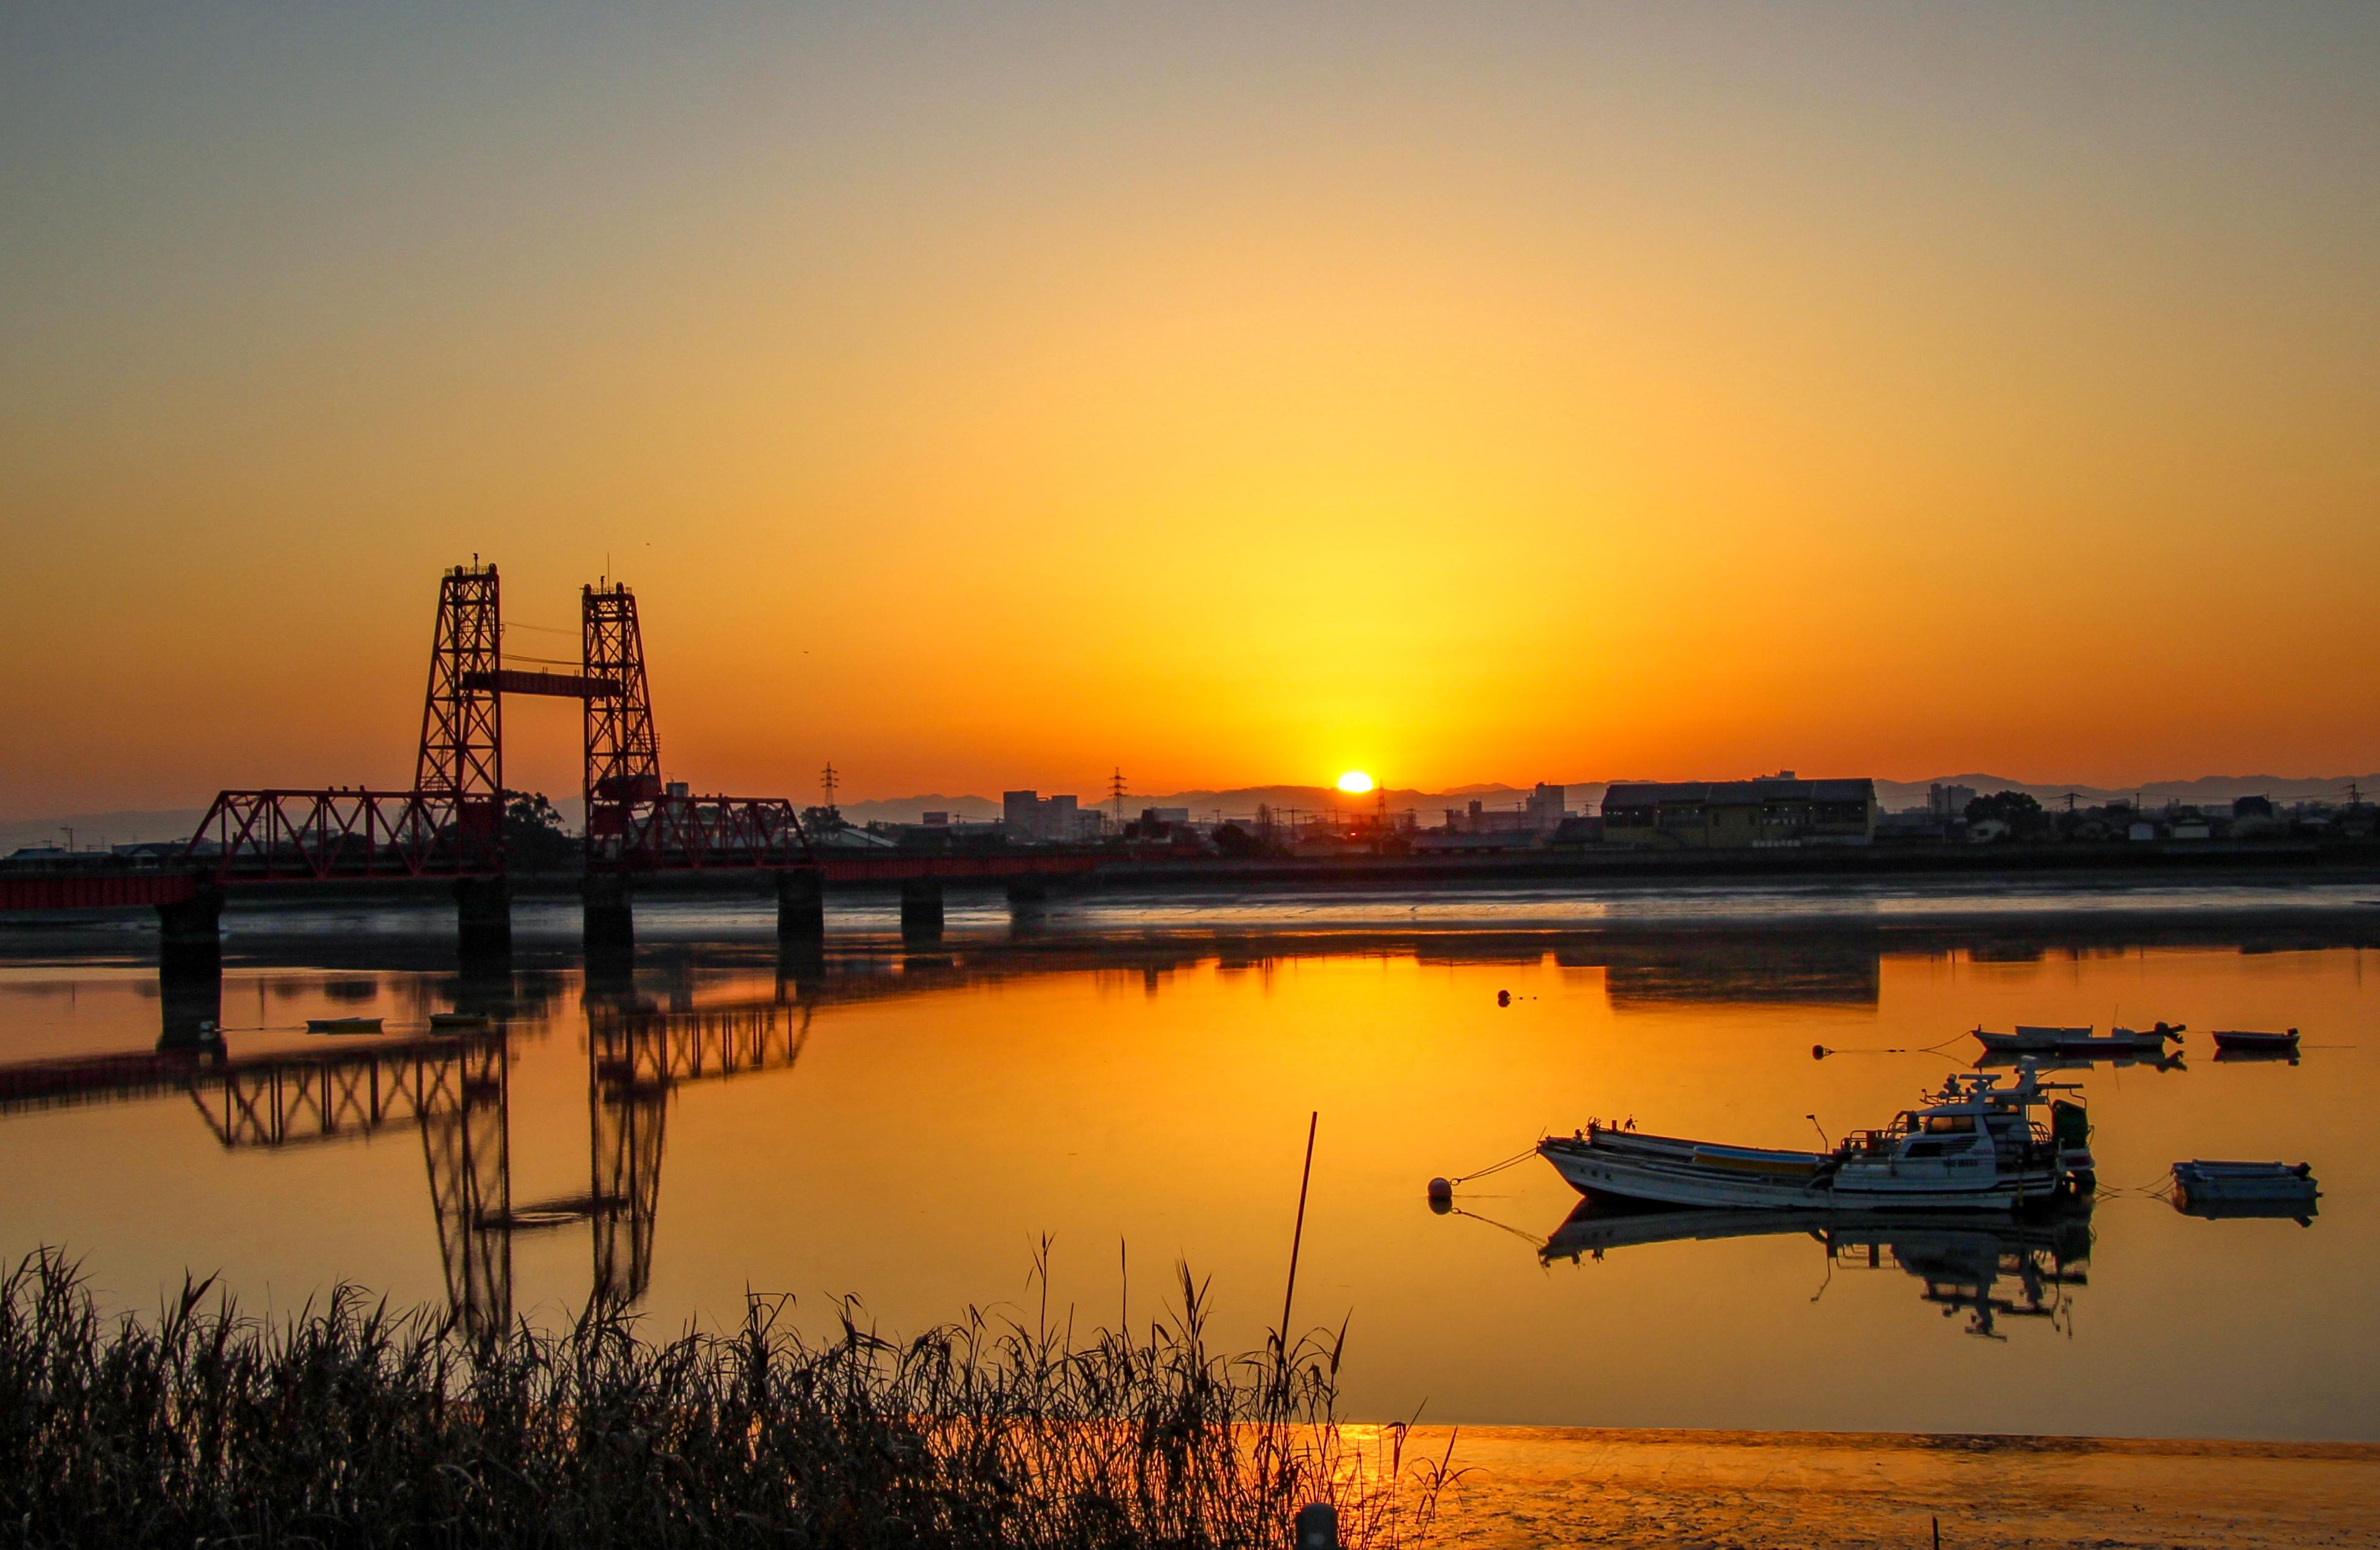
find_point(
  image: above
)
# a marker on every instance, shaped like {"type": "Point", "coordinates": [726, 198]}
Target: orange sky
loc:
{"type": "Point", "coordinates": [984, 400]}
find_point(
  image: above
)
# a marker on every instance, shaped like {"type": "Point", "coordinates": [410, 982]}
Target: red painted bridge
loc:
{"type": "Point", "coordinates": [96, 890]}
{"type": "Point", "coordinates": [449, 823]}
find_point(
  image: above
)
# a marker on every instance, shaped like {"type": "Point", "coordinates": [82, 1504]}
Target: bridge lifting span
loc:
{"type": "Point", "coordinates": [450, 824]}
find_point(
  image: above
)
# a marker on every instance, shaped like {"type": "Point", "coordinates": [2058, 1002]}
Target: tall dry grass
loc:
{"type": "Point", "coordinates": [348, 1424]}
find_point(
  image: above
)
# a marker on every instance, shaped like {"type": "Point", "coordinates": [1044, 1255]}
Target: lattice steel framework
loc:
{"type": "Point", "coordinates": [451, 824]}
{"type": "Point", "coordinates": [462, 716]}
{"type": "Point", "coordinates": [466, 1145]}
{"type": "Point", "coordinates": [623, 764]}
{"type": "Point", "coordinates": [624, 1173]}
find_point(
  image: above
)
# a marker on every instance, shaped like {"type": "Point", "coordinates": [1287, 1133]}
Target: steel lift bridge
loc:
{"type": "Point", "coordinates": [450, 824]}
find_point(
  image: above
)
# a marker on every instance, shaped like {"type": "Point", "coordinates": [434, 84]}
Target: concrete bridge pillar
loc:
{"type": "Point", "coordinates": [801, 904]}
{"type": "Point", "coordinates": [921, 910]}
{"type": "Point", "coordinates": [191, 1003]}
{"type": "Point", "coordinates": [189, 935]}
{"type": "Point", "coordinates": [801, 964]}
{"type": "Point", "coordinates": [190, 971]}
{"type": "Point", "coordinates": [483, 916]}
{"type": "Point", "coordinates": [1028, 904]}
{"type": "Point", "coordinates": [610, 923]}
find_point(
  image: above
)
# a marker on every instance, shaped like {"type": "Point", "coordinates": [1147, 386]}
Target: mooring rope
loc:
{"type": "Point", "coordinates": [1520, 1156]}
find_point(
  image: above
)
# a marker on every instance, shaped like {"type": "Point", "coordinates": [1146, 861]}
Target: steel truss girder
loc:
{"type": "Point", "coordinates": [691, 833]}
{"type": "Point", "coordinates": [283, 834]}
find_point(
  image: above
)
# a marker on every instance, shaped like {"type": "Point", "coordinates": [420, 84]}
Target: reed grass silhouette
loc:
{"type": "Point", "coordinates": [346, 1424]}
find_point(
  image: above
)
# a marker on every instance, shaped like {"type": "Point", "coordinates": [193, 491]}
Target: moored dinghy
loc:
{"type": "Point", "coordinates": [1973, 1146]}
{"type": "Point", "coordinates": [2245, 1189]}
{"type": "Point", "coordinates": [2244, 1041]}
{"type": "Point", "coordinates": [2033, 1039]}
{"type": "Point", "coordinates": [342, 1024]}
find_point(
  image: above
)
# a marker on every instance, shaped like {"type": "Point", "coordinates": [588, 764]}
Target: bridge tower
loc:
{"type": "Point", "coordinates": [624, 766]}
{"type": "Point", "coordinates": [463, 751]}
{"type": "Point", "coordinates": [463, 717]}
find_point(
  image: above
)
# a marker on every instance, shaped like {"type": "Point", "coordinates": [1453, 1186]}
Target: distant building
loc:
{"type": "Point", "coordinates": [1949, 802]}
{"type": "Point", "coordinates": [935, 817]}
{"type": "Point", "coordinates": [1727, 815]}
{"type": "Point", "coordinates": [1029, 818]}
{"type": "Point", "coordinates": [1541, 813]}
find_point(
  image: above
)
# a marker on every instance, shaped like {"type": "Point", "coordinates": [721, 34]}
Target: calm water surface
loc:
{"type": "Point", "coordinates": [906, 1126]}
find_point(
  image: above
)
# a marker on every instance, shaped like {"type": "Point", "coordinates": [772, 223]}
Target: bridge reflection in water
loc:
{"type": "Point", "coordinates": [1990, 1268]}
{"type": "Point", "coordinates": [457, 1090]}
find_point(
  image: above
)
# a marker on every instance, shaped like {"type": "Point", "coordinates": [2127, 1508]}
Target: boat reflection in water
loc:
{"type": "Point", "coordinates": [2002, 1060]}
{"type": "Point", "coordinates": [1991, 1268]}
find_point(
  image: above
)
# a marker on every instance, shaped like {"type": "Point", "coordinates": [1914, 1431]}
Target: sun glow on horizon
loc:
{"type": "Point", "coordinates": [1355, 783]}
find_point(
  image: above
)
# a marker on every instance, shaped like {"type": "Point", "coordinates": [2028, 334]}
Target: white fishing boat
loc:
{"type": "Point", "coordinates": [1973, 1146]}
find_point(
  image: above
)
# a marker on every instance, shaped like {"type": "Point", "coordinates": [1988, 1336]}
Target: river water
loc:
{"type": "Point", "coordinates": [1131, 1082]}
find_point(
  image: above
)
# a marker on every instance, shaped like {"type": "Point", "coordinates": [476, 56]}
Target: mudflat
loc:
{"type": "Point", "coordinates": [1680, 1490]}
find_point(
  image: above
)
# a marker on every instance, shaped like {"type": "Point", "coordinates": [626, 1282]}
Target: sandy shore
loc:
{"type": "Point", "coordinates": [1532, 1486]}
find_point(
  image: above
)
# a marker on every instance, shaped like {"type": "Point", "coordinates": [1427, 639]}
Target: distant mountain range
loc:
{"type": "Point", "coordinates": [123, 827]}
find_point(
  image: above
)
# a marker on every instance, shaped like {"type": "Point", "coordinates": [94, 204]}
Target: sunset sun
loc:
{"type": "Point", "coordinates": [1355, 783]}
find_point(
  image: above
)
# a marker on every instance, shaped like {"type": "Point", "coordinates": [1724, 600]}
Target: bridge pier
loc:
{"type": "Point", "coordinates": [483, 916]}
{"type": "Point", "coordinates": [484, 985]}
{"type": "Point", "coordinates": [801, 904]}
{"type": "Point", "coordinates": [189, 935]}
{"type": "Point", "coordinates": [1028, 904]}
{"type": "Point", "coordinates": [921, 909]}
{"type": "Point", "coordinates": [610, 923]}
{"type": "Point", "coordinates": [190, 1002]}
{"type": "Point", "coordinates": [801, 964]}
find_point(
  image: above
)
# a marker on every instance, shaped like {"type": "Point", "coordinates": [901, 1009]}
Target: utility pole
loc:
{"type": "Point", "coordinates": [828, 780]}
{"type": "Point", "coordinates": [1116, 794]}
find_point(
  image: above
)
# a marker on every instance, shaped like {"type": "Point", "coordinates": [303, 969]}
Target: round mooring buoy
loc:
{"type": "Point", "coordinates": [1503, 998]}
{"type": "Point", "coordinates": [1441, 1193]}
{"type": "Point", "coordinates": [1817, 1052]}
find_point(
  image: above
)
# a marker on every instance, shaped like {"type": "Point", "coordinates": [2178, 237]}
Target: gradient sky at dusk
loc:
{"type": "Point", "coordinates": [984, 396]}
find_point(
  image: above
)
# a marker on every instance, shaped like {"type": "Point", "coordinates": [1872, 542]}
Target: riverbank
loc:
{"type": "Point", "coordinates": [1678, 1490]}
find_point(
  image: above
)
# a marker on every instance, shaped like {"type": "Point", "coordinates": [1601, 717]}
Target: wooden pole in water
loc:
{"type": "Point", "coordinates": [1298, 1236]}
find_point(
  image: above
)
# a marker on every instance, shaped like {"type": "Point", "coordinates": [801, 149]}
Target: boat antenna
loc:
{"type": "Point", "coordinates": [1821, 1130]}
